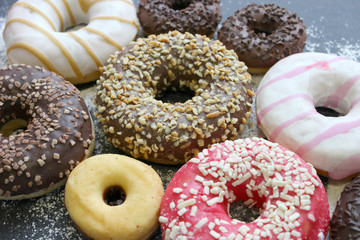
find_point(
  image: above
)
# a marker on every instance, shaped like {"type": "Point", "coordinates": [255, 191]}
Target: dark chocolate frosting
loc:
{"type": "Point", "coordinates": [345, 223]}
{"type": "Point", "coordinates": [194, 16]}
{"type": "Point", "coordinates": [57, 137]}
{"type": "Point", "coordinates": [261, 35]}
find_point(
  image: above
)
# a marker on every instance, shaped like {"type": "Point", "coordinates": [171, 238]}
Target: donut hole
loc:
{"type": "Point", "coordinates": [174, 95]}
{"type": "Point", "coordinates": [75, 27]}
{"type": "Point", "coordinates": [114, 196]}
{"type": "Point", "coordinates": [14, 127]}
{"type": "Point", "coordinates": [178, 5]}
{"type": "Point", "coordinates": [14, 119]}
{"type": "Point", "coordinates": [264, 29]}
{"type": "Point", "coordinates": [240, 211]}
{"type": "Point", "coordinates": [328, 112]}
{"type": "Point", "coordinates": [331, 107]}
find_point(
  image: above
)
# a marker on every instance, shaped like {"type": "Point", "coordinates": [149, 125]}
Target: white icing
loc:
{"type": "Point", "coordinates": [286, 101]}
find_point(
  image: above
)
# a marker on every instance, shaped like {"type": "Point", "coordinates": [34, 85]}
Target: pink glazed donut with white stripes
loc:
{"type": "Point", "coordinates": [286, 100]}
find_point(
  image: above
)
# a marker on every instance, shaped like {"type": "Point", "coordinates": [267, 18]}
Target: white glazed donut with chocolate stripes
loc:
{"type": "Point", "coordinates": [36, 34]}
{"type": "Point", "coordinates": [286, 101]}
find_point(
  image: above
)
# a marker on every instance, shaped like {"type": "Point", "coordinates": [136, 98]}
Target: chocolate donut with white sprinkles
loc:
{"type": "Point", "coordinates": [146, 127]}
{"type": "Point", "coordinates": [193, 16]}
{"type": "Point", "coordinates": [46, 131]}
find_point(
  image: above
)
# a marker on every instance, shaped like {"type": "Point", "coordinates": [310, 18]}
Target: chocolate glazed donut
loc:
{"type": "Point", "coordinates": [150, 129]}
{"type": "Point", "coordinates": [194, 16]}
{"type": "Point", "coordinates": [57, 131]}
{"type": "Point", "coordinates": [261, 35]}
{"type": "Point", "coordinates": [345, 223]}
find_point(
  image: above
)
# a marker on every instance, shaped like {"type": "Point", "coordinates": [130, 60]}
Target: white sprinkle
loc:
{"type": "Point", "coordinates": [183, 228]}
{"type": "Point", "coordinates": [186, 203]}
{"type": "Point", "coordinates": [182, 211]}
{"type": "Point", "coordinates": [202, 222]}
{"type": "Point", "coordinates": [212, 201]}
{"type": "Point", "coordinates": [295, 216]}
{"type": "Point", "coordinates": [243, 229]}
{"type": "Point", "coordinates": [211, 225]}
{"type": "Point", "coordinates": [193, 211]}
{"type": "Point", "coordinates": [163, 219]}
{"type": "Point", "coordinates": [295, 233]}
{"type": "Point", "coordinates": [193, 191]}
{"type": "Point", "coordinates": [199, 178]}
{"type": "Point", "coordinates": [215, 234]}
{"type": "Point", "coordinates": [242, 179]}
{"type": "Point", "coordinates": [177, 190]}
{"type": "Point", "coordinates": [311, 217]}
{"type": "Point", "coordinates": [223, 229]}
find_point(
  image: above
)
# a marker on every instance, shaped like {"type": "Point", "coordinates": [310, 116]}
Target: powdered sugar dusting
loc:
{"type": "Point", "coordinates": [343, 47]}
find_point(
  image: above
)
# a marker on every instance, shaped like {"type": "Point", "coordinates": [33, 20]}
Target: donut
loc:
{"type": "Point", "coordinates": [261, 35]}
{"type": "Point", "coordinates": [345, 222]}
{"type": "Point", "coordinates": [111, 196]}
{"type": "Point", "coordinates": [45, 131]}
{"type": "Point", "coordinates": [292, 200]}
{"type": "Point", "coordinates": [287, 101]}
{"type": "Point", "coordinates": [142, 125]}
{"type": "Point", "coordinates": [41, 33]}
{"type": "Point", "coordinates": [193, 16]}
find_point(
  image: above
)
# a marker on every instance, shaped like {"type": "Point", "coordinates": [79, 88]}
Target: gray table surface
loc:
{"type": "Point", "coordinates": [332, 27]}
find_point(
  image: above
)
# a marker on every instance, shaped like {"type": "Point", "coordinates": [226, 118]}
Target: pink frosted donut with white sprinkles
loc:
{"type": "Point", "coordinates": [286, 103]}
{"type": "Point", "coordinates": [292, 200]}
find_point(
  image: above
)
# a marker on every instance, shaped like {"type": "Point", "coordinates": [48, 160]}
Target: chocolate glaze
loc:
{"type": "Point", "coordinates": [150, 129]}
{"type": "Point", "coordinates": [261, 35]}
{"type": "Point", "coordinates": [345, 223]}
{"type": "Point", "coordinates": [194, 16]}
{"type": "Point", "coordinates": [58, 135]}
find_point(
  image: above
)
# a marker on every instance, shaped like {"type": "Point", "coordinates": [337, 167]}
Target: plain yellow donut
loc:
{"type": "Point", "coordinates": [136, 218]}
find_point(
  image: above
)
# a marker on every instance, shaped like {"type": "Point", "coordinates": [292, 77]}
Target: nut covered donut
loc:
{"type": "Point", "coordinates": [193, 16]}
{"type": "Point", "coordinates": [345, 222]}
{"type": "Point", "coordinates": [291, 197]}
{"type": "Point", "coordinates": [150, 129]}
{"type": "Point", "coordinates": [287, 98]}
{"type": "Point", "coordinates": [261, 35]}
{"type": "Point", "coordinates": [37, 33]}
{"type": "Point", "coordinates": [57, 131]}
{"type": "Point", "coordinates": [115, 197]}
